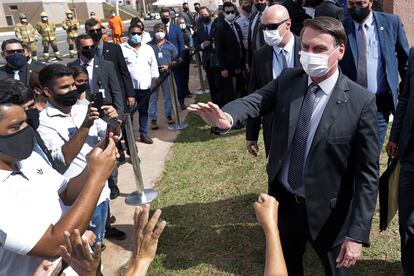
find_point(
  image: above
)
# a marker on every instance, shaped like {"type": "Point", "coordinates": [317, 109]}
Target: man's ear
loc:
{"type": "Point", "coordinates": [47, 92]}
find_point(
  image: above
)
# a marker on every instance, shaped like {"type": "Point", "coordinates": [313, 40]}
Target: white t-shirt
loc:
{"type": "Point", "coordinates": [29, 204]}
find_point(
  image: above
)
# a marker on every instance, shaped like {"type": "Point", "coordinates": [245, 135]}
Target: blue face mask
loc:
{"type": "Point", "coordinates": [16, 60]}
{"type": "Point", "coordinates": [135, 39]}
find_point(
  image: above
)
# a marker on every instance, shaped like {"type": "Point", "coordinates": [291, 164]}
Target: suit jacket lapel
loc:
{"type": "Point", "coordinates": [95, 75]}
{"type": "Point", "coordinates": [297, 94]}
{"type": "Point", "coordinates": [268, 63]}
{"type": "Point", "coordinates": [350, 32]}
{"type": "Point", "coordinates": [296, 49]}
{"type": "Point", "coordinates": [381, 31]}
{"type": "Point", "coordinates": [336, 102]}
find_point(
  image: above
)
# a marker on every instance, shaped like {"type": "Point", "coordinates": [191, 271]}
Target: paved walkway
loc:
{"type": "Point", "coordinates": [153, 158]}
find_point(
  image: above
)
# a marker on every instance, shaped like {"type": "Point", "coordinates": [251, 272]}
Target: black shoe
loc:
{"type": "Point", "coordinates": [170, 120]}
{"type": "Point", "coordinates": [114, 192]}
{"type": "Point", "coordinates": [146, 139]}
{"type": "Point", "coordinates": [154, 125]}
{"type": "Point", "coordinates": [115, 234]}
{"type": "Point", "coordinates": [59, 58]}
{"type": "Point", "coordinates": [183, 107]}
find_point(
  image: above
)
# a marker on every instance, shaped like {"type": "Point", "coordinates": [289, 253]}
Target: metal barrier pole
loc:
{"type": "Point", "coordinates": [202, 90]}
{"type": "Point", "coordinates": [142, 195]}
{"type": "Point", "coordinates": [178, 125]}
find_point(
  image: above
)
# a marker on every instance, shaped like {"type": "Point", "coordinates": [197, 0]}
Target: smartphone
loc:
{"type": "Point", "coordinates": [98, 102]}
{"type": "Point", "coordinates": [107, 135]}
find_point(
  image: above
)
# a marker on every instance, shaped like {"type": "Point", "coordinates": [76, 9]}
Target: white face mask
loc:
{"type": "Point", "coordinates": [183, 26]}
{"type": "Point", "coordinates": [316, 65]}
{"type": "Point", "coordinates": [230, 17]}
{"type": "Point", "coordinates": [272, 37]}
{"type": "Point", "coordinates": [159, 35]}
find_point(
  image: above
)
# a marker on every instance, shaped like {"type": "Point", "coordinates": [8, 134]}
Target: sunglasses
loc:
{"type": "Point", "coordinates": [230, 12]}
{"type": "Point", "coordinates": [88, 47]}
{"type": "Point", "coordinates": [11, 52]}
{"type": "Point", "coordinates": [136, 34]}
{"type": "Point", "coordinates": [92, 31]}
{"type": "Point", "coordinates": [272, 27]}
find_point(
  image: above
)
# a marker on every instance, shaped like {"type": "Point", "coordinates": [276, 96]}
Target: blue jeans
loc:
{"type": "Point", "coordinates": [98, 222]}
{"type": "Point", "coordinates": [165, 86]}
{"type": "Point", "coordinates": [143, 97]}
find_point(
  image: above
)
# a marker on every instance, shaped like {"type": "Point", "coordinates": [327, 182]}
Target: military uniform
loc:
{"type": "Point", "coordinates": [47, 30]}
{"type": "Point", "coordinates": [26, 34]}
{"type": "Point", "coordinates": [71, 26]}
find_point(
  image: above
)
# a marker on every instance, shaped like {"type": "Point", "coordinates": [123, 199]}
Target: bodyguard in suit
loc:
{"type": "Point", "coordinates": [281, 51]}
{"type": "Point", "coordinates": [330, 8]}
{"type": "Point", "coordinates": [102, 76]}
{"type": "Point", "coordinates": [377, 52]}
{"type": "Point", "coordinates": [204, 42]}
{"type": "Point", "coordinates": [231, 56]}
{"type": "Point", "coordinates": [323, 161]}
{"type": "Point", "coordinates": [255, 38]}
{"type": "Point", "coordinates": [400, 146]}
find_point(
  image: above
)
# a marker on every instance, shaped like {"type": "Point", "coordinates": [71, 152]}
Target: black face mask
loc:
{"type": "Point", "coordinates": [33, 117]}
{"type": "Point", "coordinates": [89, 53]}
{"type": "Point", "coordinates": [247, 8]}
{"type": "Point", "coordinates": [96, 36]}
{"type": "Point", "coordinates": [359, 14]}
{"type": "Point", "coordinates": [19, 144]}
{"type": "Point", "coordinates": [260, 6]}
{"type": "Point", "coordinates": [81, 87]}
{"type": "Point", "coordinates": [16, 60]}
{"type": "Point", "coordinates": [67, 99]}
{"type": "Point", "coordinates": [165, 20]}
{"type": "Point", "coordinates": [205, 19]}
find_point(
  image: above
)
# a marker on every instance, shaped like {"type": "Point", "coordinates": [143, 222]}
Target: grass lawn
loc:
{"type": "Point", "coordinates": [206, 195]}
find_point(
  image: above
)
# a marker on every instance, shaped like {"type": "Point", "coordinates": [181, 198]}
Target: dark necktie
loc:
{"type": "Point", "coordinates": [98, 53]}
{"type": "Point", "coordinates": [299, 143]}
{"type": "Point", "coordinates": [85, 66]}
{"type": "Point", "coordinates": [362, 76]}
{"type": "Point", "coordinates": [283, 54]}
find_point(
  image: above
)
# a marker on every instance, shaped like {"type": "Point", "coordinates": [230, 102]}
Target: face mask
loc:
{"type": "Point", "coordinates": [159, 35]}
{"type": "Point", "coordinates": [32, 117]}
{"type": "Point", "coordinates": [359, 14]}
{"type": "Point", "coordinates": [89, 53]}
{"type": "Point", "coordinates": [67, 99]}
{"type": "Point", "coordinates": [230, 17]}
{"type": "Point", "coordinates": [135, 39]}
{"type": "Point", "coordinates": [96, 36]}
{"type": "Point", "coordinates": [69, 16]}
{"type": "Point", "coordinates": [24, 20]}
{"type": "Point", "coordinates": [205, 19]}
{"type": "Point", "coordinates": [93, 16]}
{"type": "Point", "coordinates": [247, 8]}
{"type": "Point", "coordinates": [81, 87]}
{"type": "Point", "coordinates": [113, 14]}
{"type": "Point", "coordinates": [186, 9]}
{"type": "Point", "coordinates": [260, 6]}
{"type": "Point", "coordinates": [183, 26]}
{"type": "Point", "coordinates": [44, 18]}
{"type": "Point", "coordinates": [165, 20]}
{"type": "Point", "coordinates": [16, 60]}
{"type": "Point", "coordinates": [315, 65]}
{"type": "Point", "coordinates": [272, 37]}
{"type": "Point", "coordinates": [18, 145]}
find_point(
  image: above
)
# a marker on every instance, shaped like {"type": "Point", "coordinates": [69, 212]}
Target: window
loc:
{"type": "Point", "coordinates": [9, 20]}
{"type": "Point", "coordinates": [13, 7]}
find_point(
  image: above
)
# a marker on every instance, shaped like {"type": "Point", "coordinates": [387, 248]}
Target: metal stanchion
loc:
{"type": "Point", "coordinates": [178, 125]}
{"type": "Point", "coordinates": [142, 195]}
{"type": "Point", "coordinates": [200, 75]}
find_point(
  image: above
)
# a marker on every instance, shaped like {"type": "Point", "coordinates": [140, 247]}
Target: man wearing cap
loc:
{"type": "Point", "coordinates": [71, 26]}
{"type": "Point", "coordinates": [47, 30]}
{"type": "Point", "coordinates": [26, 34]}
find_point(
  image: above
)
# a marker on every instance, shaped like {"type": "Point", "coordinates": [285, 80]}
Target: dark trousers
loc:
{"type": "Point", "coordinates": [142, 97]}
{"type": "Point", "coordinates": [294, 233]}
{"type": "Point", "coordinates": [406, 212]}
{"type": "Point", "coordinates": [179, 82]}
{"type": "Point", "coordinates": [213, 79]}
{"type": "Point", "coordinates": [232, 88]}
{"type": "Point", "coordinates": [385, 106]}
{"type": "Point", "coordinates": [186, 71]}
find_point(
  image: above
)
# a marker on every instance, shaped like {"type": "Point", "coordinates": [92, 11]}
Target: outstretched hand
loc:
{"type": "Point", "coordinates": [266, 208]}
{"type": "Point", "coordinates": [211, 114]}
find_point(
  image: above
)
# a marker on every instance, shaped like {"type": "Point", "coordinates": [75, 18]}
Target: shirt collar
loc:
{"type": "Point", "coordinates": [368, 21]}
{"type": "Point", "coordinates": [230, 23]}
{"type": "Point", "coordinates": [83, 62]}
{"type": "Point", "coordinates": [288, 47]}
{"type": "Point", "coordinates": [52, 111]}
{"type": "Point", "coordinates": [327, 85]}
{"type": "Point", "coordinates": [5, 174]}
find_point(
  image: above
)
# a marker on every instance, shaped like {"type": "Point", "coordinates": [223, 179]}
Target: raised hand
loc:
{"type": "Point", "coordinates": [266, 208]}
{"type": "Point", "coordinates": [211, 114]}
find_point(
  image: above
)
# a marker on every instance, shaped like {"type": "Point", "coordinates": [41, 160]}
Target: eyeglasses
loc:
{"type": "Point", "coordinates": [92, 31]}
{"type": "Point", "coordinates": [229, 12]}
{"type": "Point", "coordinates": [136, 34]}
{"type": "Point", "coordinates": [88, 47]}
{"type": "Point", "coordinates": [272, 27]}
{"type": "Point", "coordinates": [11, 52]}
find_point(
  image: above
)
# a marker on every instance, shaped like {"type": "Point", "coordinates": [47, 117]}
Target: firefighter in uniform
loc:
{"type": "Point", "coordinates": [26, 34]}
{"type": "Point", "coordinates": [47, 30]}
{"type": "Point", "coordinates": [71, 26]}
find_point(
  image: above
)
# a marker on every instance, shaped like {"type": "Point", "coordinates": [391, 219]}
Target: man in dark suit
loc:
{"type": "Point", "coordinates": [231, 56]}
{"type": "Point", "coordinates": [102, 76]}
{"type": "Point", "coordinates": [204, 42]}
{"type": "Point", "coordinates": [330, 8]}
{"type": "Point", "coordinates": [385, 54]}
{"type": "Point", "coordinates": [401, 146]}
{"type": "Point", "coordinates": [281, 51]}
{"type": "Point", "coordinates": [175, 36]}
{"type": "Point", "coordinates": [297, 14]}
{"type": "Point", "coordinates": [255, 38]}
{"type": "Point", "coordinates": [323, 161]}
{"type": "Point", "coordinates": [17, 66]}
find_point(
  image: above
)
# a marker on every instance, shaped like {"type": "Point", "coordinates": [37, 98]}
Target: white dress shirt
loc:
{"type": "Point", "coordinates": [89, 68]}
{"type": "Point", "coordinates": [288, 51]}
{"type": "Point", "coordinates": [142, 65]}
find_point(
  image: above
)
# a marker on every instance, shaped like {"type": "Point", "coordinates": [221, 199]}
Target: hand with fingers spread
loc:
{"type": "Point", "coordinates": [146, 240]}
{"type": "Point", "coordinates": [349, 254]}
{"type": "Point", "coordinates": [211, 114]}
{"type": "Point", "coordinates": [79, 256]}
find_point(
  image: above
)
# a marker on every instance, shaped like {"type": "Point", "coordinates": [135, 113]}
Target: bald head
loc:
{"type": "Point", "coordinates": [275, 22]}
{"type": "Point", "coordinates": [274, 14]}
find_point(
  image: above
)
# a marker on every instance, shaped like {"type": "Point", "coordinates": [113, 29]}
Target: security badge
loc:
{"type": "Point", "coordinates": [160, 54]}
{"type": "Point", "coordinates": [40, 171]}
